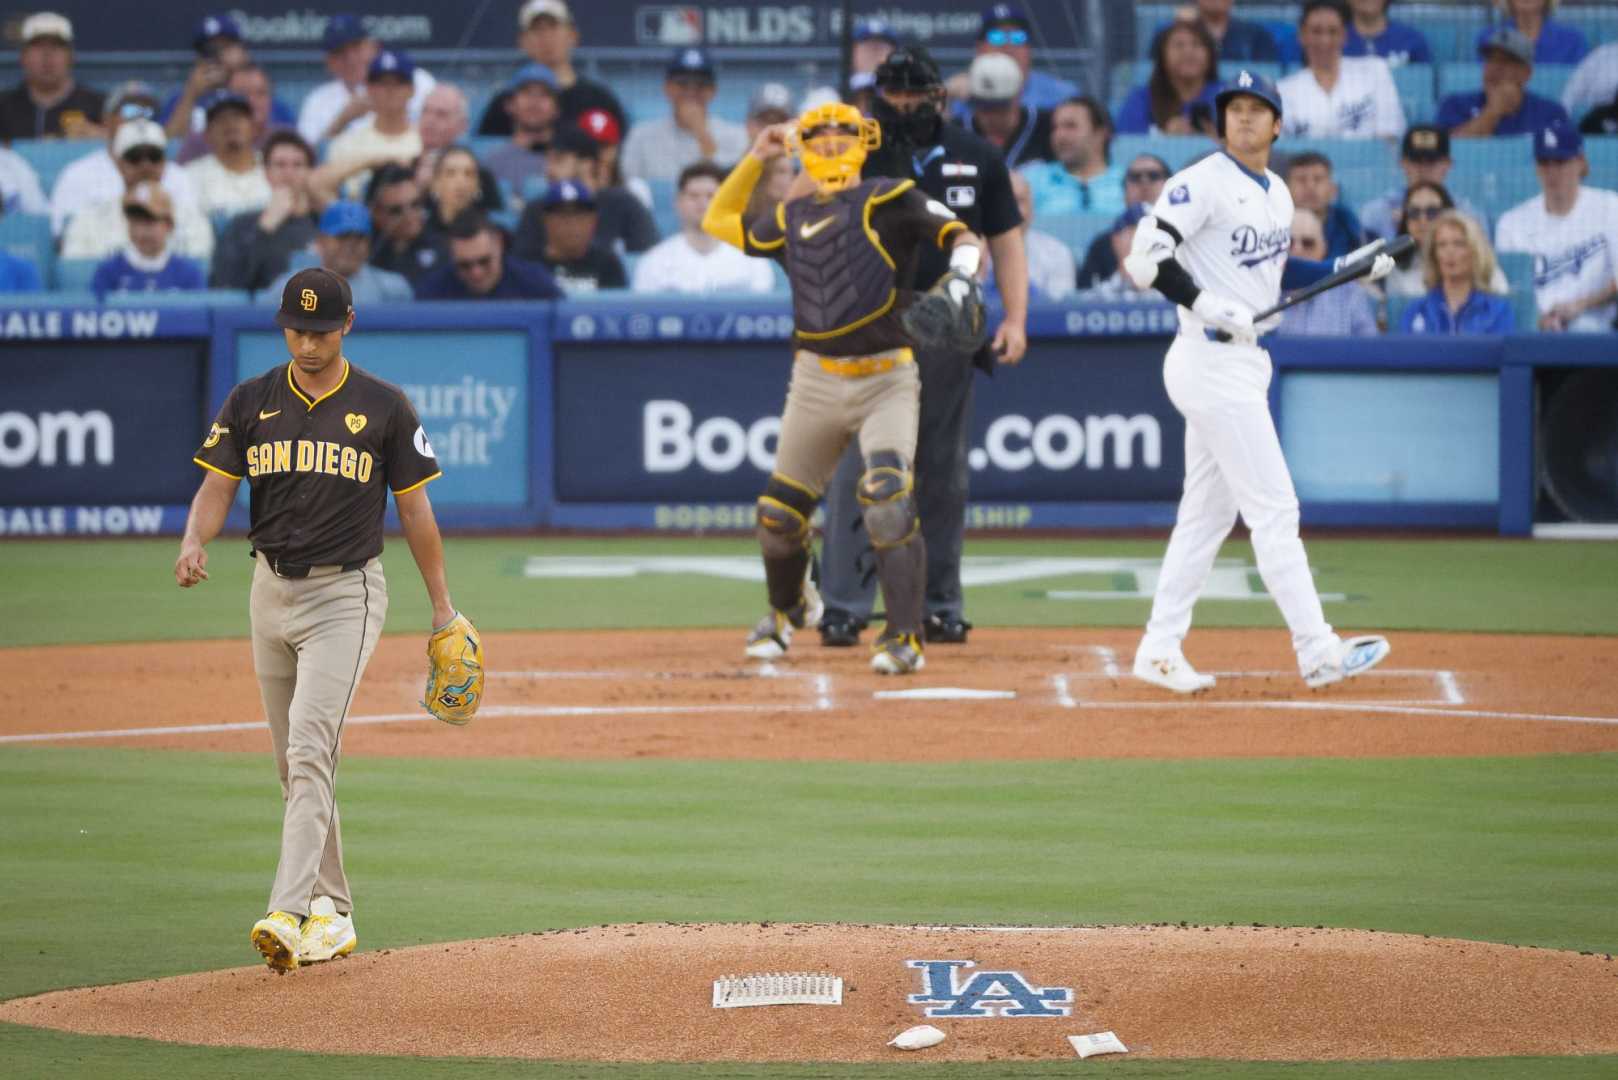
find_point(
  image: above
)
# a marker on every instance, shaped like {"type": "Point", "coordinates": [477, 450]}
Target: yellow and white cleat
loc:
{"type": "Point", "coordinates": [277, 936]}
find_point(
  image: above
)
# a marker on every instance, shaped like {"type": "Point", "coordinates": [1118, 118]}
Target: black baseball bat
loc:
{"type": "Point", "coordinates": [1395, 248]}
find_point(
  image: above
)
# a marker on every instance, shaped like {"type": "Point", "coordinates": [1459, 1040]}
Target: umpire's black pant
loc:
{"type": "Point", "coordinates": [847, 561]}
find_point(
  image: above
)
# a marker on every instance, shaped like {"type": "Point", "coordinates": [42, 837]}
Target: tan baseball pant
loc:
{"type": "Point", "coordinates": [312, 638]}
{"type": "Point", "coordinates": [825, 408]}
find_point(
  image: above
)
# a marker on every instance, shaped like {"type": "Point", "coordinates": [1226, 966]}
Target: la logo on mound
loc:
{"type": "Point", "coordinates": [986, 993]}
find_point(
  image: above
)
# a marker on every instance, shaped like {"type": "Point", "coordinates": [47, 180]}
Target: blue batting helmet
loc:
{"type": "Point", "coordinates": [1252, 84]}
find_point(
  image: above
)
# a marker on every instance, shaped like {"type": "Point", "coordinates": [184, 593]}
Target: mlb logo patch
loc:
{"type": "Point", "coordinates": [964, 195]}
{"type": "Point", "coordinates": [1179, 195]}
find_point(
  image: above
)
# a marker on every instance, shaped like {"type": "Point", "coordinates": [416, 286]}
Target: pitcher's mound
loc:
{"type": "Point", "coordinates": [645, 993]}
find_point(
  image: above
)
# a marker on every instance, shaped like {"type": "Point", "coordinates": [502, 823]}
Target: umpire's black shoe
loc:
{"type": "Point", "coordinates": [839, 629]}
{"type": "Point", "coordinates": [945, 630]}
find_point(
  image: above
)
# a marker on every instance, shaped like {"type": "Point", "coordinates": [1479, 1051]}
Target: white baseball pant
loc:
{"type": "Point", "coordinates": [1233, 463]}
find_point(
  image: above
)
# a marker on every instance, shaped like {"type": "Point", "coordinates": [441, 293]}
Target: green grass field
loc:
{"type": "Point", "coordinates": [108, 847]}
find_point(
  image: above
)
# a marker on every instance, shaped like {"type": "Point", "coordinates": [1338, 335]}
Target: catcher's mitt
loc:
{"type": "Point", "coordinates": [948, 316]}
{"type": "Point", "coordinates": [454, 672]}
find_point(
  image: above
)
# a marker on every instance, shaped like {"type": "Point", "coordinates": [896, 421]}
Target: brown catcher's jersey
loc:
{"type": "Point", "coordinates": [319, 469]}
{"type": "Point", "coordinates": [846, 255]}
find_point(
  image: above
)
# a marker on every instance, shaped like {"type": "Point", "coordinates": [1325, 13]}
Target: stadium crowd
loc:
{"type": "Point", "coordinates": [383, 174]}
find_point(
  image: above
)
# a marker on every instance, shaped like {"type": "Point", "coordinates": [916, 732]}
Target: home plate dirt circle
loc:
{"type": "Point", "coordinates": [645, 993]}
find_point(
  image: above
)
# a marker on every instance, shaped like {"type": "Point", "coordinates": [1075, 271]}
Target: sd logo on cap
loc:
{"type": "Point", "coordinates": [316, 299]}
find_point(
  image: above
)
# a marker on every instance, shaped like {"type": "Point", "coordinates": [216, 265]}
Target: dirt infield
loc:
{"type": "Point", "coordinates": [642, 993]}
{"type": "Point", "coordinates": [690, 694]}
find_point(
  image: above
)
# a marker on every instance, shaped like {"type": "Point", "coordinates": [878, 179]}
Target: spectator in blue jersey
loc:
{"type": "Point", "coordinates": [479, 268]}
{"type": "Point", "coordinates": [1235, 39]}
{"type": "Point", "coordinates": [17, 274]}
{"type": "Point", "coordinates": [1460, 268]}
{"type": "Point", "coordinates": [1309, 178]}
{"type": "Point", "coordinates": [1505, 105]}
{"type": "Point", "coordinates": [1552, 41]}
{"type": "Point", "coordinates": [147, 264]}
{"type": "Point", "coordinates": [1372, 33]}
{"type": "Point", "coordinates": [1007, 29]}
{"type": "Point", "coordinates": [1185, 74]}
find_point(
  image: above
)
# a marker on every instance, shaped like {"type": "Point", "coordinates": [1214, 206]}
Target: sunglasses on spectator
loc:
{"type": "Point", "coordinates": [1430, 213]}
{"type": "Point", "coordinates": [143, 155]}
{"type": "Point", "coordinates": [482, 262]}
{"type": "Point", "coordinates": [134, 110]}
{"type": "Point", "coordinates": [1006, 37]}
{"type": "Point", "coordinates": [1145, 176]}
{"type": "Point", "coordinates": [398, 209]}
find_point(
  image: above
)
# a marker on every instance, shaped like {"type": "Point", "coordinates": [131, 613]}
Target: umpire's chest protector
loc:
{"type": "Point", "coordinates": [841, 275]}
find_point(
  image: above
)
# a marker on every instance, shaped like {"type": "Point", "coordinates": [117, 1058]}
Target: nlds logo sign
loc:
{"type": "Point", "coordinates": [738, 25]}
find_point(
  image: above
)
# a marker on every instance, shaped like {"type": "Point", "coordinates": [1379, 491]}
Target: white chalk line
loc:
{"type": "Point", "coordinates": [1064, 693]}
{"type": "Point", "coordinates": [823, 692]}
{"type": "Point", "coordinates": [1354, 706]}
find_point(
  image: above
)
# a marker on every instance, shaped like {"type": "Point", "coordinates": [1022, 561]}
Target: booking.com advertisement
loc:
{"type": "Point", "coordinates": [699, 423]}
{"type": "Point", "coordinates": [475, 410]}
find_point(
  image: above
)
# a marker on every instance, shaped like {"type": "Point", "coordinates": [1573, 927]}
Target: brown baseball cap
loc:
{"type": "Point", "coordinates": [316, 299]}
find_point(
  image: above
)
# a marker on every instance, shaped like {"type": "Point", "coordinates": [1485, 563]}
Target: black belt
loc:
{"type": "Point", "coordinates": [282, 568]}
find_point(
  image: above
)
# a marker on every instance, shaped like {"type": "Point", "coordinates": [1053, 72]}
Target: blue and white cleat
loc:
{"type": "Point", "coordinates": [1354, 657]}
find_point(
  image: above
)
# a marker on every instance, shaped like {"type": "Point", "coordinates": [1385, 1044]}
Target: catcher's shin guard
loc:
{"type": "Point", "coordinates": [887, 499]}
{"type": "Point", "coordinates": [783, 535]}
{"type": "Point", "coordinates": [902, 572]}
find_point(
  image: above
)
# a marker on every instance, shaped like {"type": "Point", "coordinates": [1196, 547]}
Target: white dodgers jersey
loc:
{"type": "Point", "coordinates": [1575, 254]}
{"type": "Point", "coordinates": [1236, 227]}
{"type": "Point", "coordinates": [1363, 103]}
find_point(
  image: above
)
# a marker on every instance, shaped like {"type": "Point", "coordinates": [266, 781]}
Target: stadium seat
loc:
{"type": "Point", "coordinates": [50, 156]}
{"type": "Point", "coordinates": [1074, 230]}
{"type": "Point", "coordinates": [1602, 153]}
{"type": "Point", "coordinates": [1363, 168]}
{"type": "Point", "coordinates": [1495, 173]}
{"type": "Point", "coordinates": [74, 274]}
{"type": "Point", "coordinates": [29, 236]}
{"type": "Point", "coordinates": [1178, 150]}
{"type": "Point", "coordinates": [1451, 30]}
{"type": "Point", "coordinates": [663, 207]}
{"type": "Point", "coordinates": [1518, 266]}
{"type": "Point", "coordinates": [1599, 22]}
{"type": "Point", "coordinates": [1415, 83]}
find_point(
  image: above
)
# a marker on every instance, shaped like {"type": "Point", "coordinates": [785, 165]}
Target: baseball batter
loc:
{"type": "Point", "coordinates": [845, 250]}
{"type": "Point", "coordinates": [321, 443]}
{"type": "Point", "coordinates": [1216, 244]}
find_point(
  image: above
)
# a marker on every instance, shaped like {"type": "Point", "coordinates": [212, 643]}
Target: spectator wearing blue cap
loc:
{"type": "Point", "coordinates": [531, 102]}
{"type": "Point", "coordinates": [574, 258]}
{"type": "Point", "coordinates": [1372, 33]}
{"type": "Point", "coordinates": [1505, 105]}
{"type": "Point", "coordinates": [255, 248]}
{"type": "Point", "coordinates": [344, 246]}
{"type": "Point", "coordinates": [253, 83]}
{"type": "Point", "coordinates": [336, 106]}
{"type": "Point", "coordinates": [479, 268]}
{"type": "Point", "coordinates": [390, 134]}
{"type": "Point", "coordinates": [547, 34]}
{"type": "Point", "coordinates": [1553, 41]}
{"type": "Point", "coordinates": [1571, 231]}
{"type": "Point", "coordinates": [1459, 270]}
{"type": "Point", "coordinates": [229, 180]}
{"type": "Point", "coordinates": [147, 262]}
{"type": "Point", "coordinates": [659, 149]}
{"type": "Point", "coordinates": [623, 222]}
{"type": "Point", "coordinates": [221, 52]}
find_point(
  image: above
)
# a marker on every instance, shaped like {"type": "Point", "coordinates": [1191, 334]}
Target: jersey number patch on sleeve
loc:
{"type": "Point", "coordinates": [1179, 195]}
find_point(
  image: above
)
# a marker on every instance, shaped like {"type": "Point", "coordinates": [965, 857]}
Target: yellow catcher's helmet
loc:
{"type": "Point", "coordinates": [833, 140]}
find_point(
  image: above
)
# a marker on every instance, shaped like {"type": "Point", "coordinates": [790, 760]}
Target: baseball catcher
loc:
{"type": "Point", "coordinates": [454, 672]}
{"type": "Point", "coordinates": [846, 244]}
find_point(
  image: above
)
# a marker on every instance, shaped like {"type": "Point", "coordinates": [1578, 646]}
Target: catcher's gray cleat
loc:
{"type": "Point", "coordinates": [772, 636]}
{"type": "Point", "coordinates": [897, 654]}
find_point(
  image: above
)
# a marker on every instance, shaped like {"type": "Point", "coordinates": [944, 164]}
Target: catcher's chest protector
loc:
{"type": "Point", "coordinates": [837, 270]}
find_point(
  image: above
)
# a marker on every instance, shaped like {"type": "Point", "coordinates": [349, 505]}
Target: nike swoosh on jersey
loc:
{"type": "Point", "coordinates": [262, 415]}
{"type": "Point", "coordinates": [808, 231]}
